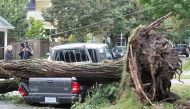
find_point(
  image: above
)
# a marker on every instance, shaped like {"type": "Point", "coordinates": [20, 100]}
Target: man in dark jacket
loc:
{"type": "Point", "coordinates": [8, 53]}
{"type": "Point", "coordinates": [25, 51]}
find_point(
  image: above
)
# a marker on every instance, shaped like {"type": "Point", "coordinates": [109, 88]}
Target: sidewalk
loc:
{"type": "Point", "coordinates": [183, 81]}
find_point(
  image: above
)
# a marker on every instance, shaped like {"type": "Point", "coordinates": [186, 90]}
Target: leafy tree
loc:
{"type": "Point", "coordinates": [103, 17]}
{"type": "Point", "coordinates": [178, 22]}
{"type": "Point", "coordinates": [14, 12]}
{"type": "Point", "coordinates": [36, 29]}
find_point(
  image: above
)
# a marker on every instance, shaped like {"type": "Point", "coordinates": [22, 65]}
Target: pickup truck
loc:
{"type": "Point", "coordinates": [66, 90]}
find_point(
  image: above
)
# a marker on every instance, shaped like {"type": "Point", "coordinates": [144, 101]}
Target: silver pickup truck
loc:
{"type": "Point", "coordinates": [64, 90]}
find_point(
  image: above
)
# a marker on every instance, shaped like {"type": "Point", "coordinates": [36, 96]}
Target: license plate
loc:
{"type": "Point", "coordinates": [50, 99]}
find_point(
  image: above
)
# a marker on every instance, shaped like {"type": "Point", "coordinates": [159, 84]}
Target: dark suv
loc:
{"type": "Point", "coordinates": [183, 49]}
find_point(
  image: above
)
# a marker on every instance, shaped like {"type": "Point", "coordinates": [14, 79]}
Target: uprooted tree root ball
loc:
{"type": "Point", "coordinates": [152, 62]}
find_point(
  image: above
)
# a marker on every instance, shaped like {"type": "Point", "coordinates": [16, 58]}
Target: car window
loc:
{"type": "Point", "coordinates": [108, 53]}
{"type": "Point", "coordinates": [93, 55]}
{"type": "Point", "coordinates": [105, 53]}
{"type": "Point", "coordinates": [181, 46]}
{"type": "Point", "coordinates": [71, 55]}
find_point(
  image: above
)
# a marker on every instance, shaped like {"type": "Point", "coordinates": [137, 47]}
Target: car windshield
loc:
{"type": "Point", "coordinates": [181, 46]}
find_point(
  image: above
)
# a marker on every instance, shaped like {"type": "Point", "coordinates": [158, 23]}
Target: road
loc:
{"type": "Point", "coordinates": [9, 105]}
{"type": "Point", "coordinates": [182, 81]}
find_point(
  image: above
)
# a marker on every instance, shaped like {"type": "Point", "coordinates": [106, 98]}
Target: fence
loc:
{"type": "Point", "coordinates": [40, 48]}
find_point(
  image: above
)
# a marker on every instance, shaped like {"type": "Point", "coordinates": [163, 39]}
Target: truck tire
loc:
{"type": "Point", "coordinates": [82, 98]}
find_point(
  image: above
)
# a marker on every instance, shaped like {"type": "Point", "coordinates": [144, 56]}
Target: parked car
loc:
{"type": "Point", "coordinates": [64, 90]}
{"type": "Point", "coordinates": [119, 51]}
{"type": "Point", "coordinates": [183, 49]}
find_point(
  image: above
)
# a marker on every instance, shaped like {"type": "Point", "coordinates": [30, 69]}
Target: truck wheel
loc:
{"type": "Point", "coordinates": [81, 98]}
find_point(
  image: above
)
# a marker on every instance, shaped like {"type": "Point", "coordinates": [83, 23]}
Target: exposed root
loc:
{"type": "Point", "coordinates": [152, 63]}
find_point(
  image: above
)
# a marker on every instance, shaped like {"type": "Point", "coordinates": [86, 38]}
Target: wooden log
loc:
{"type": "Point", "coordinates": [8, 86]}
{"type": "Point", "coordinates": [90, 72]}
{"type": "Point", "coordinates": [4, 76]}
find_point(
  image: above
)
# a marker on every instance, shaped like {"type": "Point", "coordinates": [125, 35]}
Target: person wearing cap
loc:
{"type": "Point", "coordinates": [25, 51]}
{"type": "Point", "coordinates": [8, 53]}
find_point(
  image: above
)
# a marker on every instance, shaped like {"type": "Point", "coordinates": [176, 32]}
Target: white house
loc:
{"type": "Point", "coordinates": [4, 27]}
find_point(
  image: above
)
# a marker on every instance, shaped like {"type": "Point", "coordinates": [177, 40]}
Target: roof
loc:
{"type": "Point", "coordinates": [4, 24]}
{"type": "Point", "coordinates": [78, 45]}
{"type": "Point", "coordinates": [35, 14]}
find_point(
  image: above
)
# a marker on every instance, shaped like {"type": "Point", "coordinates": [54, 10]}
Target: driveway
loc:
{"type": "Point", "coordinates": [8, 105]}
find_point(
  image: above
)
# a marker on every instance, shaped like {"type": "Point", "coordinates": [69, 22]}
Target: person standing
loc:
{"type": "Point", "coordinates": [8, 53]}
{"type": "Point", "coordinates": [25, 51]}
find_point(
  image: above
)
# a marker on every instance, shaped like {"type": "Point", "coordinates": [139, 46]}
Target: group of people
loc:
{"type": "Point", "coordinates": [25, 52]}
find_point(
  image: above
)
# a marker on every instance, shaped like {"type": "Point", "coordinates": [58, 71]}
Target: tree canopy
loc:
{"type": "Point", "coordinates": [178, 22]}
{"type": "Point", "coordinates": [14, 12]}
{"type": "Point", "coordinates": [104, 17]}
{"type": "Point", "coordinates": [36, 29]}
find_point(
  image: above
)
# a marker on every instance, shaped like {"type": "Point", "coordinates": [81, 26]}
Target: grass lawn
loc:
{"type": "Point", "coordinates": [186, 66]}
{"type": "Point", "coordinates": [184, 77]}
{"type": "Point", "coordinates": [181, 90]}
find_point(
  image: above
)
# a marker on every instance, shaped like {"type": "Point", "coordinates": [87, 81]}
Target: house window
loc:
{"type": "Point", "coordinates": [50, 31]}
{"type": "Point", "coordinates": [32, 5]}
{"type": "Point", "coordinates": [121, 42]}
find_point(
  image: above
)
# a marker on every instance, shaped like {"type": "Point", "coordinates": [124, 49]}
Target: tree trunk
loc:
{"type": "Point", "coordinates": [4, 76]}
{"type": "Point", "coordinates": [8, 86]}
{"type": "Point", "coordinates": [88, 72]}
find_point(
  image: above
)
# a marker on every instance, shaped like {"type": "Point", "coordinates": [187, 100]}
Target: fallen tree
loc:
{"type": "Point", "coordinates": [4, 76]}
{"type": "Point", "coordinates": [8, 86]}
{"type": "Point", "coordinates": [90, 73]}
{"type": "Point", "coordinates": [151, 64]}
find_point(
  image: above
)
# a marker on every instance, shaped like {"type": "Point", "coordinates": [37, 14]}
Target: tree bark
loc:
{"type": "Point", "coordinates": [88, 72]}
{"type": "Point", "coordinates": [8, 86]}
{"type": "Point", "coordinates": [4, 76]}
